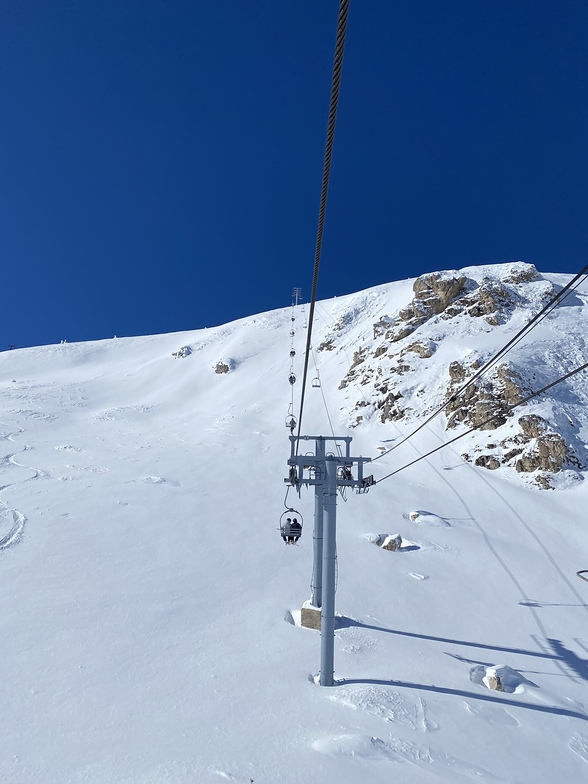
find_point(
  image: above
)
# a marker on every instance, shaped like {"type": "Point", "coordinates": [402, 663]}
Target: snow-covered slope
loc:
{"type": "Point", "coordinates": [148, 604]}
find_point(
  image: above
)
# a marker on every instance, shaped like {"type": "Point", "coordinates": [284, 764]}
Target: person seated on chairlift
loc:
{"type": "Point", "coordinates": [286, 529]}
{"type": "Point", "coordinates": [291, 531]}
{"type": "Point", "coordinates": [295, 531]}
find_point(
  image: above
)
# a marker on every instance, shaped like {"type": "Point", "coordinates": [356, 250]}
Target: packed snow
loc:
{"type": "Point", "coordinates": [150, 611]}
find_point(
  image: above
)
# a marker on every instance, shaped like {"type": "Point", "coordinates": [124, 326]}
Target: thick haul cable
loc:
{"type": "Point", "coordinates": [333, 103]}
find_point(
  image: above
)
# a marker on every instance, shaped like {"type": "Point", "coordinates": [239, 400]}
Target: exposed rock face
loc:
{"type": "Point", "coordinates": [489, 299]}
{"type": "Point", "coordinates": [488, 461]}
{"type": "Point", "coordinates": [327, 345]}
{"type": "Point", "coordinates": [400, 332]}
{"type": "Point", "coordinates": [522, 273]}
{"type": "Point", "coordinates": [485, 404]}
{"type": "Point", "coordinates": [390, 542]}
{"type": "Point", "coordinates": [389, 408]}
{"type": "Point", "coordinates": [432, 294]}
{"type": "Point", "coordinates": [535, 448]}
{"type": "Point", "coordinates": [450, 294]}
{"type": "Point", "coordinates": [382, 326]}
{"type": "Point", "coordinates": [358, 357]}
{"type": "Point", "coordinates": [423, 349]}
{"type": "Point", "coordinates": [492, 681]}
{"type": "Point", "coordinates": [545, 450]}
{"type": "Point", "coordinates": [404, 370]}
{"type": "Point", "coordinates": [221, 367]}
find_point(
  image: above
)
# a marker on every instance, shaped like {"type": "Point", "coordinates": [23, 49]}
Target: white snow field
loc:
{"type": "Point", "coordinates": [148, 603]}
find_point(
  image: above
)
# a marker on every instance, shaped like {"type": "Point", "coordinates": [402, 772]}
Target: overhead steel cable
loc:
{"type": "Point", "coordinates": [333, 103]}
{"type": "Point", "coordinates": [543, 313]}
{"type": "Point", "coordinates": [486, 421]}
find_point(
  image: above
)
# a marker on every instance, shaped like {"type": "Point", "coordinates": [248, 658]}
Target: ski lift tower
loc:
{"type": "Point", "coordinates": [327, 473]}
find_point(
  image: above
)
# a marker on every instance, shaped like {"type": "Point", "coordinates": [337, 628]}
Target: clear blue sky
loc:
{"type": "Point", "coordinates": [160, 160]}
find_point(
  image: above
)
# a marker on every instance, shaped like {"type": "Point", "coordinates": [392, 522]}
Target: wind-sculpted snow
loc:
{"type": "Point", "coordinates": [150, 614]}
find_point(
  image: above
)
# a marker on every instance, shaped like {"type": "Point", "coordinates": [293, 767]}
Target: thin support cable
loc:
{"type": "Point", "coordinates": [316, 370]}
{"type": "Point", "coordinates": [486, 421]}
{"type": "Point", "coordinates": [333, 103]}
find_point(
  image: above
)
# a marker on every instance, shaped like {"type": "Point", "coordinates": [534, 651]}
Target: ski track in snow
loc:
{"type": "Point", "coordinates": [379, 701]}
{"type": "Point", "coordinates": [15, 521]}
{"type": "Point", "coordinates": [579, 745]}
{"type": "Point", "coordinates": [492, 715]}
{"type": "Point", "coordinates": [12, 521]}
{"type": "Point", "coordinates": [395, 750]}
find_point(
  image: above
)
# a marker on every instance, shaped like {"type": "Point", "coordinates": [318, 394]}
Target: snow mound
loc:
{"type": "Point", "coordinates": [499, 678]}
{"type": "Point", "coordinates": [420, 517]}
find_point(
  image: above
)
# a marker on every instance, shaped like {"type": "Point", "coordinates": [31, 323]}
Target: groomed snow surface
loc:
{"type": "Point", "coordinates": [148, 603]}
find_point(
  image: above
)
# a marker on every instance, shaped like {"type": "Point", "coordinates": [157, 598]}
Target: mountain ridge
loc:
{"type": "Point", "coordinates": [150, 607]}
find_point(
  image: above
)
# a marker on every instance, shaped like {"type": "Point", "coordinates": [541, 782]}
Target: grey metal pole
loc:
{"type": "Point", "coordinates": [316, 587]}
{"type": "Point", "coordinates": [329, 555]}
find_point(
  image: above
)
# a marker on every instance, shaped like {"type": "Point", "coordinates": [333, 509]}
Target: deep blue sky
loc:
{"type": "Point", "coordinates": [160, 160]}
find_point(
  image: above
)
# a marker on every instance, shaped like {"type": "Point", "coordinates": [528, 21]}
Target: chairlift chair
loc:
{"type": "Point", "coordinates": [291, 524]}
{"type": "Point", "coordinates": [316, 383]}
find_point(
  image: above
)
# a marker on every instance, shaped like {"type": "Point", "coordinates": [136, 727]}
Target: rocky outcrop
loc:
{"type": "Point", "coordinates": [544, 449]}
{"type": "Point", "coordinates": [492, 681]}
{"type": "Point", "coordinates": [491, 299]}
{"type": "Point", "coordinates": [358, 358]}
{"type": "Point", "coordinates": [225, 366]}
{"type": "Point", "coordinates": [488, 461]}
{"type": "Point", "coordinates": [450, 294]}
{"type": "Point", "coordinates": [432, 295]}
{"type": "Point", "coordinates": [535, 449]}
{"type": "Point", "coordinates": [522, 272]}
{"type": "Point", "coordinates": [392, 543]}
{"type": "Point", "coordinates": [486, 403]}
{"type": "Point", "coordinates": [422, 348]}
{"type": "Point", "coordinates": [401, 371]}
{"type": "Point", "coordinates": [382, 326]}
{"type": "Point", "coordinates": [327, 345]}
{"type": "Point", "coordinates": [389, 408]}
